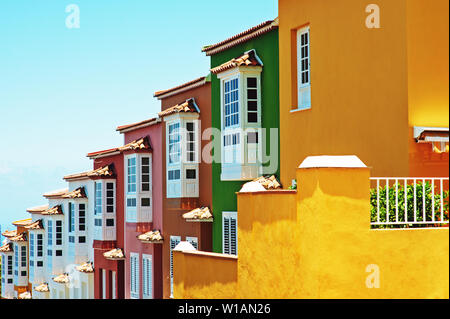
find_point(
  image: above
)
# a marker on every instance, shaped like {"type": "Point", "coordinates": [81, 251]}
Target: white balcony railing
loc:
{"type": "Point", "coordinates": [409, 202]}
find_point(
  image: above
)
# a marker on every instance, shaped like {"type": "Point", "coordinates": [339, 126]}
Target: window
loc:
{"type": "Point", "coordinates": [49, 234]}
{"type": "Point", "coordinates": [23, 256]}
{"type": "Point", "coordinates": [10, 265]}
{"type": "Point", "coordinates": [134, 273]}
{"type": "Point", "coordinates": [231, 105]}
{"type": "Point", "coordinates": [23, 273]}
{"type": "Point", "coordinates": [113, 284]}
{"type": "Point", "coordinates": [191, 174]}
{"type": "Point", "coordinates": [145, 202]}
{"type": "Point", "coordinates": [59, 232]}
{"type": "Point", "coordinates": [98, 222]}
{"type": "Point", "coordinates": [174, 143]}
{"type": "Point", "coordinates": [252, 138]}
{"type": "Point", "coordinates": [252, 100]}
{"type": "Point", "coordinates": [145, 174]}
{"type": "Point", "coordinates": [229, 232]}
{"type": "Point", "coordinates": [58, 253]}
{"type": "Point", "coordinates": [303, 68]}
{"type": "Point", "coordinates": [98, 198]}
{"type": "Point", "coordinates": [40, 245]}
{"type": "Point", "coordinates": [103, 284]}
{"type": "Point", "coordinates": [174, 241]}
{"type": "Point", "coordinates": [81, 239]}
{"type": "Point", "coordinates": [147, 274]}
{"type": "Point", "coordinates": [131, 179]}
{"type": "Point", "coordinates": [109, 222]}
{"type": "Point", "coordinates": [31, 248]}
{"type": "Point", "coordinates": [110, 197]}
{"type": "Point", "coordinates": [174, 175]}
{"type": "Point", "coordinates": [190, 142]}
{"type": "Point", "coordinates": [40, 263]}
{"type": "Point", "coordinates": [193, 241]}
{"type": "Point", "coordinates": [16, 261]}
{"type": "Point", "coordinates": [131, 202]}
{"type": "Point", "coordinates": [82, 217]}
{"type": "Point", "coordinates": [71, 217]}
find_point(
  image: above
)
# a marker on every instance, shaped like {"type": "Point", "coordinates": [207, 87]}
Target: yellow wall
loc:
{"type": "Point", "coordinates": [428, 56]}
{"type": "Point", "coordinates": [317, 243]}
{"type": "Point", "coordinates": [361, 80]}
{"type": "Point", "coordinates": [204, 276]}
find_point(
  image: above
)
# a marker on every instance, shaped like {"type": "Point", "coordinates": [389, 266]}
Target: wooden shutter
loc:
{"type": "Point", "coordinates": [147, 277]}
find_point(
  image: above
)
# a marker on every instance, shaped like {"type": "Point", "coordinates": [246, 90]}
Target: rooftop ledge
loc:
{"type": "Point", "coordinates": [347, 161]}
{"type": "Point", "coordinates": [207, 254]}
{"type": "Point", "coordinates": [277, 191]}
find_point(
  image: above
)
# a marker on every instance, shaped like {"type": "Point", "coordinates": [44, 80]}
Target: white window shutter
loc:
{"type": "Point", "coordinates": [229, 227]}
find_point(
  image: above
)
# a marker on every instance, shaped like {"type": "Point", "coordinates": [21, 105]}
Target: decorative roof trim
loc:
{"type": "Point", "coordinates": [249, 58]}
{"type": "Point", "coordinates": [202, 214]}
{"type": "Point", "coordinates": [152, 237]}
{"type": "Point", "coordinates": [37, 209]}
{"type": "Point", "coordinates": [9, 233]}
{"type": "Point", "coordinates": [42, 288]}
{"type": "Point", "coordinates": [86, 268]}
{"type": "Point", "coordinates": [189, 106]}
{"type": "Point", "coordinates": [56, 210]}
{"type": "Point", "coordinates": [22, 237]}
{"type": "Point", "coordinates": [114, 254]}
{"type": "Point", "coordinates": [56, 194]}
{"type": "Point", "coordinates": [242, 37]}
{"type": "Point", "coordinates": [78, 193]}
{"type": "Point", "coordinates": [107, 171]}
{"type": "Point", "coordinates": [62, 279]}
{"type": "Point", "coordinates": [139, 144]}
{"type": "Point", "coordinates": [23, 222]}
{"type": "Point", "coordinates": [181, 88]}
{"type": "Point", "coordinates": [7, 248]}
{"type": "Point", "coordinates": [37, 225]}
{"type": "Point", "coordinates": [135, 126]}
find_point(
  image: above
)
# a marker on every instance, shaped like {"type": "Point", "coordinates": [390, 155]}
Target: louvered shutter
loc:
{"type": "Point", "coordinates": [226, 235]}
{"type": "Point", "coordinates": [193, 241]}
{"type": "Point", "coordinates": [174, 241]}
{"type": "Point", "coordinates": [229, 228]}
{"type": "Point", "coordinates": [233, 236]}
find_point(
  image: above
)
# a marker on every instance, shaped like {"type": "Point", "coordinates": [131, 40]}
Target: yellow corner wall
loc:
{"type": "Point", "coordinates": [317, 244]}
{"type": "Point", "coordinates": [199, 275]}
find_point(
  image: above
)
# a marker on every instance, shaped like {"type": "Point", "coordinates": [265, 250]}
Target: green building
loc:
{"type": "Point", "coordinates": [245, 108]}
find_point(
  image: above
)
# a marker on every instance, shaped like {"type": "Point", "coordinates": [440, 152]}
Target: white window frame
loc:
{"type": "Point", "coordinates": [232, 115]}
{"type": "Point", "coordinates": [174, 139]}
{"type": "Point", "coordinates": [147, 276]}
{"type": "Point", "coordinates": [134, 276]}
{"type": "Point", "coordinates": [130, 174]}
{"type": "Point", "coordinates": [227, 243]}
{"type": "Point", "coordinates": [303, 89]}
{"type": "Point", "coordinates": [113, 285]}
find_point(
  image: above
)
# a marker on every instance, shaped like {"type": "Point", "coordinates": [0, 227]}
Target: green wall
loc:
{"type": "Point", "coordinates": [266, 46]}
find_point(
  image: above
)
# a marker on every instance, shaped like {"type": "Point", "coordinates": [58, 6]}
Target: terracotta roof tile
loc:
{"type": "Point", "coordinates": [25, 295]}
{"type": "Point", "coordinates": [38, 209]}
{"type": "Point", "coordinates": [114, 254]}
{"type": "Point", "coordinates": [181, 88]}
{"type": "Point", "coordinates": [134, 126]}
{"type": "Point", "coordinates": [56, 194]}
{"type": "Point", "coordinates": [36, 225]}
{"type": "Point", "coordinates": [57, 210]}
{"type": "Point", "coordinates": [199, 214]}
{"type": "Point", "coordinates": [61, 279]}
{"type": "Point", "coordinates": [20, 237]}
{"type": "Point", "coordinates": [151, 237]}
{"type": "Point", "coordinates": [106, 171]}
{"type": "Point", "coordinates": [189, 106]}
{"type": "Point", "coordinates": [9, 233]}
{"type": "Point", "coordinates": [241, 37]}
{"type": "Point", "coordinates": [7, 248]}
{"type": "Point", "coordinates": [268, 182]}
{"type": "Point", "coordinates": [139, 144]}
{"type": "Point", "coordinates": [22, 223]}
{"type": "Point", "coordinates": [247, 59]}
{"type": "Point", "coordinates": [42, 288]}
{"type": "Point", "coordinates": [77, 193]}
{"type": "Point", "coordinates": [85, 268]}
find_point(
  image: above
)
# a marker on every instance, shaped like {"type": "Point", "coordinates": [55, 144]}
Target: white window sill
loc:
{"type": "Point", "coordinates": [300, 110]}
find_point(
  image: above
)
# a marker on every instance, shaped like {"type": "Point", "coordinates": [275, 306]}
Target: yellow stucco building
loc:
{"type": "Point", "coordinates": [356, 78]}
{"type": "Point", "coordinates": [368, 87]}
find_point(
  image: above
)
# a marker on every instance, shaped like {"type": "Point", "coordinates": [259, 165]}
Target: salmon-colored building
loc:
{"type": "Point", "coordinates": [187, 185]}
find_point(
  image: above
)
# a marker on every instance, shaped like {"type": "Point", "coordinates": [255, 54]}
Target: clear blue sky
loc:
{"type": "Point", "coordinates": [63, 91]}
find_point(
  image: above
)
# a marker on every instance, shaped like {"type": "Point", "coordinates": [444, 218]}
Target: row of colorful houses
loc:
{"type": "Point", "coordinates": [307, 83]}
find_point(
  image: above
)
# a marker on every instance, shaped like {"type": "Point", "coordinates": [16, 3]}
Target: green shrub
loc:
{"type": "Point", "coordinates": [409, 193]}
